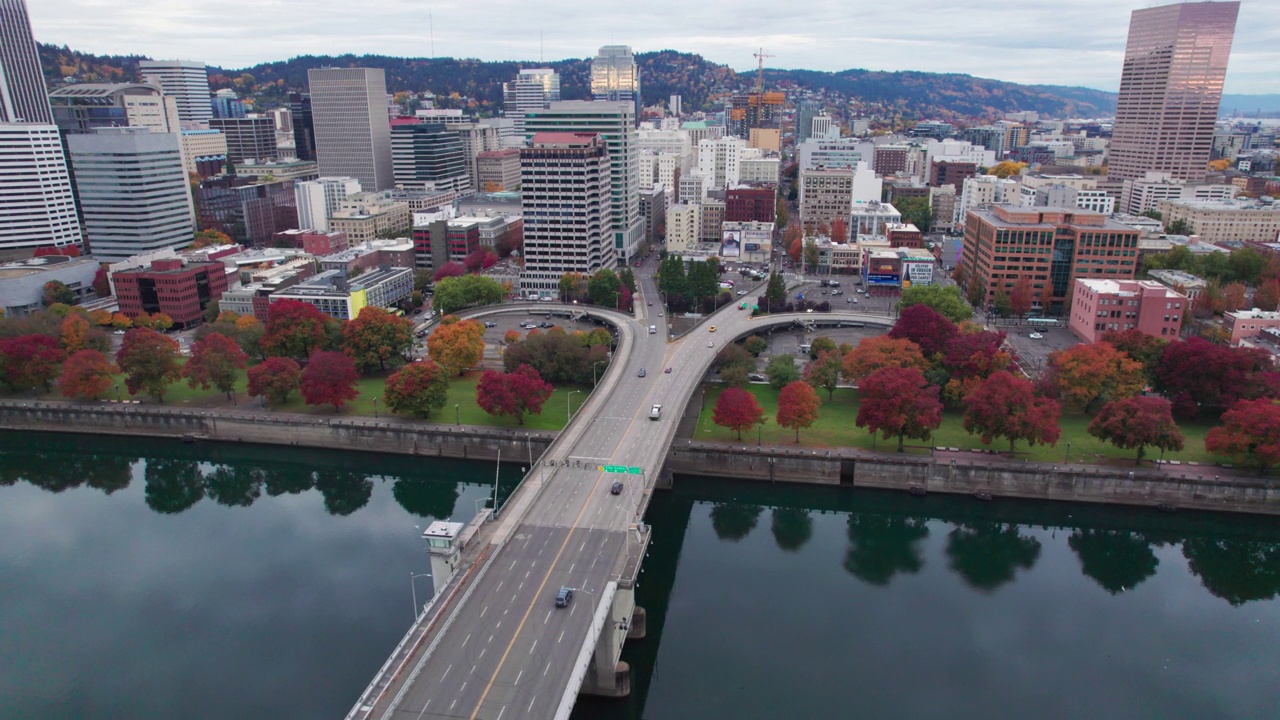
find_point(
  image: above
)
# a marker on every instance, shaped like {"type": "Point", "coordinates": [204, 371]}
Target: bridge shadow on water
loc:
{"type": "Point", "coordinates": [1235, 557]}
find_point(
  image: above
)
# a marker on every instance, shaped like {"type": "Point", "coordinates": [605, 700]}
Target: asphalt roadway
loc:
{"type": "Point", "coordinates": [509, 652]}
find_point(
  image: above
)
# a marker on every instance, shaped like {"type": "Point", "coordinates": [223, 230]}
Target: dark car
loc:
{"type": "Point", "coordinates": [564, 596]}
{"type": "Point", "coordinates": [616, 489]}
{"type": "Point", "coordinates": [642, 373]}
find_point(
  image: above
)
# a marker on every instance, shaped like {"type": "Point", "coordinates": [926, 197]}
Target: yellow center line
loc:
{"type": "Point", "coordinates": [538, 595]}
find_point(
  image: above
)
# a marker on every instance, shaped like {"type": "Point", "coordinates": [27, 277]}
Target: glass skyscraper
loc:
{"type": "Point", "coordinates": [616, 77]}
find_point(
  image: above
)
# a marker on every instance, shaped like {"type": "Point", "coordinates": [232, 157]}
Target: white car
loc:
{"type": "Point", "coordinates": [1036, 336]}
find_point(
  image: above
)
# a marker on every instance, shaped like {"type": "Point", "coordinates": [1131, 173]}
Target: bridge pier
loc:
{"type": "Point", "coordinates": [608, 676]}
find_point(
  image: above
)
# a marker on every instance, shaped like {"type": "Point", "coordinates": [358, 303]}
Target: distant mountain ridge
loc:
{"type": "Point", "coordinates": [477, 85]}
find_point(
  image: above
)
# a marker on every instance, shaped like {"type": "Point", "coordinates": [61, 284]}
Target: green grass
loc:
{"type": "Point", "coordinates": [462, 392]}
{"type": "Point", "coordinates": [837, 427]}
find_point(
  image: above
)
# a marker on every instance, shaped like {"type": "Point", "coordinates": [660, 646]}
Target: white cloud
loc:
{"type": "Point", "coordinates": [1076, 43]}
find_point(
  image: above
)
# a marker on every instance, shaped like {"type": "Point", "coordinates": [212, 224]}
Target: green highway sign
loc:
{"type": "Point", "coordinates": [615, 468]}
{"type": "Point", "coordinates": [633, 470]}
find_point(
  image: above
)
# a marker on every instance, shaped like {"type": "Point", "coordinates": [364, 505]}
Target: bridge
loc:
{"type": "Point", "coordinates": [493, 644]}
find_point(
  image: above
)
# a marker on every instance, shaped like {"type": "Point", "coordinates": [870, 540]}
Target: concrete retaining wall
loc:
{"type": "Point", "coordinates": [366, 434]}
{"type": "Point", "coordinates": [1227, 493]}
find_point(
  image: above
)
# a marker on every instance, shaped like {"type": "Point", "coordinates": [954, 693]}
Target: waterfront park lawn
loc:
{"type": "Point", "coordinates": [462, 393]}
{"type": "Point", "coordinates": [836, 427]}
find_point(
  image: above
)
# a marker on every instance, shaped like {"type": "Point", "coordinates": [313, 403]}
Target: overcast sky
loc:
{"type": "Point", "coordinates": [1064, 42]}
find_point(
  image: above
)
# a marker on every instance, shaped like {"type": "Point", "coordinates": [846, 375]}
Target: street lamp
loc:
{"type": "Point", "coordinates": [457, 417]}
{"type": "Point", "coordinates": [593, 371]}
{"type": "Point", "coordinates": [375, 408]}
{"type": "Point", "coordinates": [413, 587]}
{"type": "Point", "coordinates": [117, 392]}
{"type": "Point", "coordinates": [1064, 457]}
{"type": "Point", "coordinates": [567, 415]}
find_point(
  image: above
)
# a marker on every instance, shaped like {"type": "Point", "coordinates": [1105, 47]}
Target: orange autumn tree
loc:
{"type": "Point", "coordinates": [457, 344]}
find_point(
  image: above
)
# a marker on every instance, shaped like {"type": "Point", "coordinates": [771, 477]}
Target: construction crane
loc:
{"type": "Point", "coordinates": [760, 56]}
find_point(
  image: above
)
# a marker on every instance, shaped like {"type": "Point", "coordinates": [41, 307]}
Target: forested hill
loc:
{"type": "Point", "coordinates": [700, 82]}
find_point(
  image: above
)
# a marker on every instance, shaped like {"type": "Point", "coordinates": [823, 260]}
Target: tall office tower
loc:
{"type": "Point", "coordinates": [1170, 89]}
{"type": "Point", "coordinates": [721, 160]}
{"type": "Point", "coordinates": [22, 93]}
{"type": "Point", "coordinates": [564, 198]}
{"type": "Point", "coordinates": [37, 206]}
{"type": "Point", "coordinates": [225, 104]}
{"type": "Point", "coordinates": [252, 139]}
{"type": "Point", "coordinates": [82, 107]}
{"type": "Point", "coordinates": [533, 89]}
{"type": "Point", "coordinates": [615, 77]}
{"type": "Point", "coordinates": [429, 156]}
{"type": "Point", "coordinates": [806, 111]}
{"type": "Point", "coordinates": [132, 190]}
{"type": "Point", "coordinates": [319, 199]}
{"type": "Point", "coordinates": [349, 112]}
{"type": "Point", "coordinates": [615, 122]}
{"type": "Point", "coordinates": [673, 106]}
{"type": "Point", "coordinates": [187, 81]}
{"type": "Point", "coordinates": [304, 133]}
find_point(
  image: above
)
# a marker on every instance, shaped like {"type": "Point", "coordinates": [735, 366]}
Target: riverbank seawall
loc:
{"type": "Point", "coordinates": [979, 475]}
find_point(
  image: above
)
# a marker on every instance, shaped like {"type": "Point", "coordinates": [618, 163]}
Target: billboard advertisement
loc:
{"type": "Point", "coordinates": [883, 279]}
{"type": "Point", "coordinates": [731, 246]}
{"type": "Point", "coordinates": [752, 247]}
{"type": "Point", "coordinates": [919, 273]}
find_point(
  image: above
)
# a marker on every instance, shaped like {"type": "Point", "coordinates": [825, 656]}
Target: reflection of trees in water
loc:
{"type": "Point", "coordinates": [110, 473]}
{"type": "Point", "coordinates": [172, 485]}
{"type": "Point", "coordinates": [881, 546]}
{"type": "Point", "coordinates": [734, 521]}
{"type": "Point", "coordinates": [1118, 560]}
{"type": "Point", "coordinates": [344, 491]}
{"type": "Point", "coordinates": [56, 472]}
{"type": "Point", "coordinates": [286, 479]}
{"type": "Point", "coordinates": [792, 528]}
{"type": "Point", "coordinates": [1235, 570]}
{"type": "Point", "coordinates": [234, 485]}
{"type": "Point", "coordinates": [987, 554]}
{"type": "Point", "coordinates": [426, 498]}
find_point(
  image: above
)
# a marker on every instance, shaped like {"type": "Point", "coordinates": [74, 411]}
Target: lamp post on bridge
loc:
{"type": "Point", "coordinates": [413, 587]}
{"type": "Point", "coordinates": [567, 414]}
{"type": "Point", "coordinates": [457, 417]}
{"type": "Point", "coordinates": [595, 365]}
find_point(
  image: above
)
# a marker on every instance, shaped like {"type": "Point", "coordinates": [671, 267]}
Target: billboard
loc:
{"type": "Point", "coordinates": [751, 247]}
{"type": "Point", "coordinates": [731, 246]}
{"type": "Point", "coordinates": [883, 279]}
{"type": "Point", "coordinates": [919, 273]}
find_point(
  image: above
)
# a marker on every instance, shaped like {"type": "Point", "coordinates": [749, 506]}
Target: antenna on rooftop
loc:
{"type": "Point", "coordinates": [432, 22]}
{"type": "Point", "coordinates": [540, 55]}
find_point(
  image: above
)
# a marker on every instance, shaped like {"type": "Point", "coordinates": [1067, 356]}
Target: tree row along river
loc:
{"type": "Point", "coordinates": [163, 580]}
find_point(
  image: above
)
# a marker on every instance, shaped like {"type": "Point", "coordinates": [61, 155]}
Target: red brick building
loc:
{"type": "Point", "coordinates": [903, 235]}
{"type": "Point", "coordinates": [951, 172]}
{"type": "Point", "coordinates": [750, 203]}
{"type": "Point", "coordinates": [1051, 246]}
{"type": "Point", "coordinates": [180, 289]}
{"type": "Point", "coordinates": [313, 242]}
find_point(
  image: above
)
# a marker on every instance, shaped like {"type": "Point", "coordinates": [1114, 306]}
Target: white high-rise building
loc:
{"type": "Point", "coordinates": [133, 191]}
{"type": "Point", "coordinates": [985, 190]}
{"type": "Point", "coordinates": [319, 199]}
{"type": "Point", "coordinates": [37, 207]}
{"type": "Point", "coordinates": [615, 122]}
{"type": "Point", "coordinates": [565, 186]}
{"type": "Point", "coordinates": [819, 153]}
{"type": "Point", "coordinates": [616, 77]}
{"type": "Point", "coordinates": [533, 89]}
{"type": "Point", "coordinates": [352, 132]}
{"type": "Point", "coordinates": [721, 160]}
{"type": "Point", "coordinates": [22, 91]}
{"type": "Point", "coordinates": [187, 82]}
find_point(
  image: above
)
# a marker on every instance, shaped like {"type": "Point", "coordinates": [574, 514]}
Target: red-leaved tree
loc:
{"type": "Point", "coordinates": [30, 361]}
{"type": "Point", "coordinates": [86, 375]}
{"type": "Point", "coordinates": [216, 360]}
{"type": "Point", "coordinates": [418, 388]}
{"type": "Point", "coordinates": [448, 270]}
{"type": "Point", "coordinates": [1086, 374]}
{"type": "Point", "coordinates": [294, 329]}
{"type": "Point", "coordinates": [797, 407]}
{"type": "Point", "coordinates": [882, 351]}
{"type": "Point", "coordinates": [274, 379]}
{"type": "Point", "coordinates": [515, 393]}
{"type": "Point", "coordinates": [1138, 422]}
{"type": "Point", "coordinates": [1004, 406]}
{"type": "Point", "coordinates": [925, 327]}
{"type": "Point", "coordinates": [899, 401]}
{"type": "Point", "coordinates": [1249, 434]}
{"type": "Point", "coordinates": [149, 361]}
{"type": "Point", "coordinates": [1199, 376]}
{"type": "Point", "coordinates": [330, 379]}
{"type": "Point", "coordinates": [737, 410]}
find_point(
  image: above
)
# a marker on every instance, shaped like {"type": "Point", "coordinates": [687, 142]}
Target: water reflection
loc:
{"type": "Point", "coordinates": [1235, 570]}
{"type": "Point", "coordinates": [344, 491]}
{"type": "Point", "coordinates": [734, 521]}
{"type": "Point", "coordinates": [1118, 560]}
{"type": "Point", "coordinates": [791, 527]}
{"type": "Point", "coordinates": [988, 554]}
{"type": "Point", "coordinates": [173, 485]}
{"type": "Point", "coordinates": [234, 485]}
{"type": "Point", "coordinates": [423, 498]}
{"type": "Point", "coordinates": [881, 546]}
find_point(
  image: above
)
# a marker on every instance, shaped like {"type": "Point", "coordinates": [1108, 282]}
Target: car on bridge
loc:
{"type": "Point", "coordinates": [564, 597]}
{"type": "Point", "coordinates": [655, 412]}
{"type": "Point", "coordinates": [713, 328]}
{"type": "Point", "coordinates": [616, 489]}
{"type": "Point", "coordinates": [641, 373]}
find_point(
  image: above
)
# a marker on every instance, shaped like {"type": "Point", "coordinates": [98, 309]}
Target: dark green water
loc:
{"type": "Point", "coordinates": [160, 580]}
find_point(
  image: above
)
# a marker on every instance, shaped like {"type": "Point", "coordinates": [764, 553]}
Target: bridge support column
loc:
{"type": "Point", "coordinates": [608, 676]}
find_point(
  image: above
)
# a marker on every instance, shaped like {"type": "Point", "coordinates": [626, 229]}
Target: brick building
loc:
{"type": "Point", "coordinates": [750, 203]}
{"type": "Point", "coordinates": [951, 172]}
{"type": "Point", "coordinates": [903, 235]}
{"type": "Point", "coordinates": [180, 289]}
{"type": "Point", "coordinates": [1052, 246]}
{"type": "Point", "coordinates": [1101, 306]}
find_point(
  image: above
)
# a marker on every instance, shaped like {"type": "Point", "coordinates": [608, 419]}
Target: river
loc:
{"type": "Point", "coordinates": [159, 580]}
